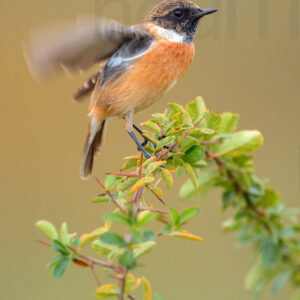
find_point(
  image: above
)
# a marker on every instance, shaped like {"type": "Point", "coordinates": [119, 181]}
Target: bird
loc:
{"type": "Point", "coordinates": [137, 64]}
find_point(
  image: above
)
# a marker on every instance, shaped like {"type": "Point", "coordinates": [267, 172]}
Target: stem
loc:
{"type": "Point", "coordinates": [238, 188]}
{"type": "Point", "coordinates": [122, 283]}
{"type": "Point", "coordinates": [163, 212]}
{"type": "Point", "coordinates": [157, 196]}
{"type": "Point", "coordinates": [87, 258]}
{"type": "Point", "coordinates": [111, 197]}
{"type": "Point", "coordinates": [95, 274]}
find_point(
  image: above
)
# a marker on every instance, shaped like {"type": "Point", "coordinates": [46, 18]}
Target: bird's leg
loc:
{"type": "Point", "coordinates": [129, 129]}
{"type": "Point", "coordinates": [146, 140]}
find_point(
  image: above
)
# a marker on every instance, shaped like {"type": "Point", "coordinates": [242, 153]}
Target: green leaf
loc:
{"type": "Point", "coordinates": [145, 217]}
{"type": "Point", "coordinates": [101, 199]}
{"type": "Point", "coordinates": [111, 181]}
{"type": "Point", "coordinates": [64, 233]}
{"type": "Point", "coordinates": [107, 291]}
{"type": "Point", "coordinates": [194, 154]}
{"type": "Point", "coordinates": [240, 143]}
{"type": "Point", "coordinates": [131, 283]}
{"type": "Point", "coordinates": [60, 267]}
{"type": "Point", "coordinates": [143, 248]}
{"type": "Point", "coordinates": [54, 261]}
{"type": "Point", "coordinates": [47, 228]}
{"type": "Point", "coordinates": [206, 178]}
{"type": "Point", "coordinates": [116, 217]}
{"type": "Point", "coordinates": [165, 142]}
{"type": "Point", "coordinates": [258, 278]}
{"type": "Point", "coordinates": [104, 249]}
{"type": "Point", "coordinates": [271, 253]}
{"type": "Point", "coordinates": [281, 280]}
{"type": "Point", "coordinates": [188, 142]}
{"type": "Point", "coordinates": [167, 177]}
{"type": "Point", "coordinates": [228, 198]}
{"type": "Point", "coordinates": [154, 127]}
{"type": "Point", "coordinates": [59, 247]}
{"type": "Point", "coordinates": [189, 214]}
{"type": "Point", "coordinates": [190, 171]}
{"type": "Point", "coordinates": [128, 260]}
{"type": "Point", "coordinates": [176, 107]}
{"type": "Point", "coordinates": [112, 238]}
{"type": "Point", "coordinates": [127, 183]}
{"type": "Point", "coordinates": [154, 166]}
{"type": "Point", "coordinates": [174, 216]}
{"type": "Point", "coordinates": [149, 235]}
{"type": "Point", "coordinates": [229, 123]}
{"type": "Point", "coordinates": [140, 183]}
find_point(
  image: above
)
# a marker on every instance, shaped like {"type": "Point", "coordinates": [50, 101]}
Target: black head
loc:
{"type": "Point", "coordinates": [182, 16]}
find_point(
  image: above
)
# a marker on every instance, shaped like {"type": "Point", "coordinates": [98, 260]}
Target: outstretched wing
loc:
{"type": "Point", "coordinates": [76, 46]}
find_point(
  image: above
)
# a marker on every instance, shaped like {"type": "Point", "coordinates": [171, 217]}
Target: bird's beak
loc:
{"type": "Point", "coordinates": [205, 12]}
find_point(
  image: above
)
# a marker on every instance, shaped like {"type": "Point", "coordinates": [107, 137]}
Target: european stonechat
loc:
{"type": "Point", "coordinates": [138, 63]}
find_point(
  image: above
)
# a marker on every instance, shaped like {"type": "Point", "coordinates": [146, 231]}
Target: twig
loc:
{"type": "Point", "coordinates": [95, 274]}
{"type": "Point", "coordinates": [128, 175]}
{"type": "Point", "coordinates": [140, 190]}
{"type": "Point", "coordinates": [164, 154]}
{"type": "Point", "coordinates": [188, 131]}
{"type": "Point", "coordinates": [131, 297]}
{"type": "Point", "coordinates": [122, 283]}
{"type": "Point", "coordinates": [87, 258]}
{"type": "Point", "coordinates": [111, 196]}
{"type": "Point", "coordinates": [157, 196]}
{"type": "Point", "coordinates": [163, 212]}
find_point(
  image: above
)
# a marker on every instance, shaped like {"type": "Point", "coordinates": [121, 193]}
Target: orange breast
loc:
{"type": "Point", "coordinates": [147, 79]}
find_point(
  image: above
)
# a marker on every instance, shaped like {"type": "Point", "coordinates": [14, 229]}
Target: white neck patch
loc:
{"type": "Point", "coordinates": [170, 35]}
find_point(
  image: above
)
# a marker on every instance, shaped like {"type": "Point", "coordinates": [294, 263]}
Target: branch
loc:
{"type": "Point", "coordinates": [238, 187]}
{"type": "Point", "coordinates": [111, 197]}
{"type": "Point", "coordinates": [87, 258]}
{"type": "Point", "coordinates": [122, 283]}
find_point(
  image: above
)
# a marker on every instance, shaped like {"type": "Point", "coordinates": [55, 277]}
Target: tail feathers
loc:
{"type": "Point", "coordinates": [92, 147]}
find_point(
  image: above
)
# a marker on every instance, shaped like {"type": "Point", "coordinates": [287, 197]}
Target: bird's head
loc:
{"type": "Point", "coordinates": [181, 16]}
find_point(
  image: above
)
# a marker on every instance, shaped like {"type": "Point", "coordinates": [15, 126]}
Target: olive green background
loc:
{"type": "Point", "coordinates": [237, 68]}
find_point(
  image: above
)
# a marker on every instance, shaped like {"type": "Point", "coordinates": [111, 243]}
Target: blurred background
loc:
{"type": "Point", "coordinates": [247, 61]}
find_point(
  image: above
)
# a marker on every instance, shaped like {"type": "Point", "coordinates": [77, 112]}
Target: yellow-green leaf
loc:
{"type": "Point", "coordinates": [48, 228]}
{"type": "Point", "coordinates": [154, 127]}
{"type": "Point", "coordinates": [140, 183]}
{"type": "Point", "coordinates": [165, 142]}
{"type": "Point", "coordinates": [131, 283]}
{"type": "Point", "coordinates": [147, 289]}
{"type": "Point", "coordinates": [240, 143]}
{"type": "Point", "coordinates": [143, 248]}
{"type": "Point", "coordinates": [149, 161]}
{"type": "Point", "coordinates": [154, 166]}
{"type": "Point", "coordinates": [190, 171]}
{"type": "Point", "coordinates": [185, 234]}
{"type": "Point", "coordinates": [167, 177]}
{"type": "Point", "coordinates": [87, 237]}
{"type": "Point", "coordinates": [188, 142]}
{"type": "Point", "coordinates": [64, 233]}
{"type": "Point", "coordinates": [176, 107]}
{"type": "Point", "coordinates": [107, 291]}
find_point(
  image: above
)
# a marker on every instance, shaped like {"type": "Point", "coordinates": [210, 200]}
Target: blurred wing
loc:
{"type": "Point", "coordinates": [75, 47]}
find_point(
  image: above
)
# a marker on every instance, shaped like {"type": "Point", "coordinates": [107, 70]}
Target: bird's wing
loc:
{"type": "Point", "coordinates": [76, 46]}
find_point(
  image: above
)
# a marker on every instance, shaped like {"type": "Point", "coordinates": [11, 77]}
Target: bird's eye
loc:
{"type": "Point", "coordinates": [178, 13]}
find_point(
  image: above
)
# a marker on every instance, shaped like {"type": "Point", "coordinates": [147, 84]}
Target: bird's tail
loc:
{"type": "Point", "coordinates": [92, 147]}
